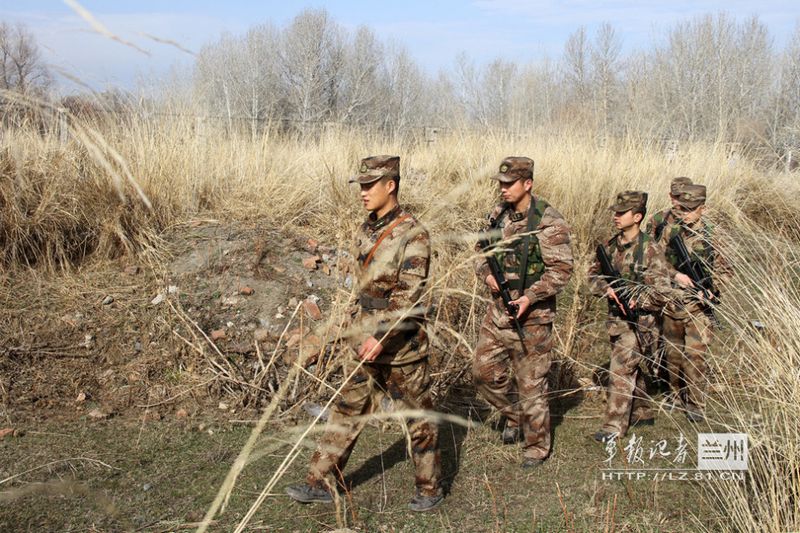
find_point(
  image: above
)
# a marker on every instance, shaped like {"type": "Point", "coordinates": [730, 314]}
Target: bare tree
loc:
{"type": "Point", "coordinates": [576, 66]}
{"type": "Point", "coordinates": [21, 66]}
{"type": "Point", "coordinates": [605, 72]}
{"type": "Point", "coordinates": [310, 61]}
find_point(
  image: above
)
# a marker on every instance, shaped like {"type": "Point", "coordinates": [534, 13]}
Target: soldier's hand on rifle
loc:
{"type": "Point", "coordinates": [612, 295]}
{"type": "Point", "coordinates": [683, 280]}
{"type": "Point", "coordinates": [706, 295]}
{"type": "Point", "coordinates": [492, 283]}
{"type": "Point", "coordinates": [523, 302]}
{"type": "Point", "coordinates": [369, 350]}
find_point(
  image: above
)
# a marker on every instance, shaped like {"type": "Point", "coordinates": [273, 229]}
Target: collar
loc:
{"type": "Point", "coordinates": [617, 240]}
{"type": "Point", "coordinates": [375, 223]}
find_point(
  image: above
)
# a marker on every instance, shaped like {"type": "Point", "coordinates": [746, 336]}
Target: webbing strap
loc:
{"type": "Point", "coordinates": [385, 234]}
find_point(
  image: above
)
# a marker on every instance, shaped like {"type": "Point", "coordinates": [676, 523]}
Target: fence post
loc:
{"type": "Point", "coordinates": [62, 125]}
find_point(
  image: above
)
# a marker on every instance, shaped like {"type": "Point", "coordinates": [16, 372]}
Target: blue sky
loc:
{"type": "Point", "coordinates": [433, 31]}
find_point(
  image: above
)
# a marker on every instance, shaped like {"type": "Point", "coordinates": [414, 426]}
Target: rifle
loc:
{"type": "Point", "coordinates": [698, 273]}
{"type": "Point", "coordinates": [505, 291]}
{"type": "Point", "coordinates": [620, 286]}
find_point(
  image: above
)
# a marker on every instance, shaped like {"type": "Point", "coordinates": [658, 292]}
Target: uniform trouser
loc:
{"type": "Point", "coordinates": [409, 387]}
{"type": "Point", "coordinates": [514, 380]}
{"type": "Point", "coordinates": [686, 341]}
{"type": "Point", "coordinates": [626, 386]}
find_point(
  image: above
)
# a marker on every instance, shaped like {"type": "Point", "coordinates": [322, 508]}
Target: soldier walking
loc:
{"type": "Point", "coordinates": [534, 253]}
{"type": "Point", "coordinates": [688, 322]}
{"type": "Point", "coordinates": [642, 287]}
{"type": "Point", "coordinates": [388, 342]}
{"type": "Point", "coordinates": [653, 323]}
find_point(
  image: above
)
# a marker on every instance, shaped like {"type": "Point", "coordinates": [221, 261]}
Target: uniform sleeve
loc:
{"type": "Point", "coordinates": [651, 225]}
{"type": "Point", "coordinates": [723, 272]}
{"type": "Point", "coordinates": [554, 243]}
{"type": "Point", "coordinates": [405, 298]}
{"type": "Point", "coordinates": [480, 264]}
{"type": "Point", "coordinates": [597, 283]}
{"type": "Point", "coordinates": [657, 289]}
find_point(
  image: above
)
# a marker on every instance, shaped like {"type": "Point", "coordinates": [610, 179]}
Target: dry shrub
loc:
{"type": "Point", "coordinates": [62, 203]}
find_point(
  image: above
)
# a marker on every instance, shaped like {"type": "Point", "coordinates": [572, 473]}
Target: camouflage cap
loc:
{"type": "Point", "coordinates": [376, 167]}
{"type": "Point", "coordinates": [692, 196]}
{"type": "Point", "coordinates": [514, 168]}
{"type": "Point", "coordinates": [628, 200]}
{"type": "Point", "coordinates": [677, 184]}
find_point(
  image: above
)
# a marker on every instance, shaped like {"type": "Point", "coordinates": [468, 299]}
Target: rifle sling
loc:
{"type": "Point", "coordinates": [526, 241]}
{"type": "Point", "coordinates": [385, 234]}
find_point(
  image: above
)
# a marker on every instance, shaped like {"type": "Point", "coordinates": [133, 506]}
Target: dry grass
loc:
{"type": "Point", "coordinates": [98, 196]}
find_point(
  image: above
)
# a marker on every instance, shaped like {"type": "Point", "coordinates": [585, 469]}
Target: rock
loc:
{"type": "Point", "coordinates": [230, 324]}
{"type": "Point", "coordinates": [293, 302]}
{"type": "Point", "coordinates": [309, 284]}
{"type": "Point", "coordinates": [108, 300]}
{"type": "Point", "coordinates": [314, 298]}
{"type": "Point", "coordinates": [97, 414]}
{"type": "Point", "coordinates": [246, 291]}
{"type": "Point", "coordinates": [218, 334]}
{"type": "Point", "coordinates": [326, 258]}
{"type": "Point", "coordinates": [312, 310]}
{"type": "Point", "coordinates": [315, 410]}
{"type": "Point", "coordinates": [146, 487]}
{"type": "Point", "coordinates": [137, 346]}
{"type": "Point", "coordinates": [131, 270]}
{"type": "Point", "coordinates": [309, 351]}
{"type": "Point", "coordinates": [6, 432]}
{"type": "Point", "coordinates": [88, 340]}
{"type": "Point", "coordinates": [348, 281]}
{"type": "Point", "coordinates": [279, 316]}
{"type": "Point", "coordinates": [326, 270]}
{"type": "Point", "coordinates": [181, 413]}
{"type": "Point", "coordinates": [261, 335]}
{"type": "Point", "coordinates": [172, 289]}
{"type": "Point", "coordinates": [294, 339]}
{"type": "Point", "coordinates": [310, 262]}
{"type": "Point", "coordinates": [230, 301]}
{"type": "Point", "coordinates": [81, 398]}
{"type": "Point", "coordinates": [223, 406]}
{"type": "Point", "coordinates": [158, 299]}
{"type": "Point", "coordinates": [312, 245]}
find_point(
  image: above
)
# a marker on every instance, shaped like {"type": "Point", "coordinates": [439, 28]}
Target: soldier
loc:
{"type": "Point", "coordinates": [645, 286]}
{"type": "Point", "coordinates": [388, 341]}
{"type": "Point", "coordinates": [535, 255]}
{"type": "Point", "coordinates": [652, 323]}
{"type": "Point", "coordinates": [655, 226]}
{"type": "Point", "coordinates": [687, 324]}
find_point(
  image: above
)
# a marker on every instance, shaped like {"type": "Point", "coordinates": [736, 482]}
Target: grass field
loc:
{"type": "Point", "coordinates": [72, 215]}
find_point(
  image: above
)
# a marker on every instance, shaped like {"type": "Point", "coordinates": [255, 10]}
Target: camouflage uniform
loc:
{"type": "Point", "coordinates": [510, 376]}
{"type": "Point", "coordinates": [687, 329]}
{"type": "Point", "coordinates": [641, 262]}
{"type": "Point", "coordinates": [654, 322]}
{"type": "Point", "coordinates": [393, 255]}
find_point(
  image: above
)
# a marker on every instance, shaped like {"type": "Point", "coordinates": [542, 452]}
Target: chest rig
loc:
{"type": "Point", "coordinates": [635, 270]}
{"type": "Point", "coordinates": [701, 249]}
{"type": "Point", "coordinates": [527, 260]}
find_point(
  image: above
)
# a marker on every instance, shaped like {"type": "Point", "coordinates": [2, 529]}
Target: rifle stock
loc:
{"type": "Point", "coordinates": [502, 283]}
{"type": "Point", "coordinates": [697, 272]}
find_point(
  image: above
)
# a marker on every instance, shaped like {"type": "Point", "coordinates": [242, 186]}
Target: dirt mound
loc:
{"type": "Point", "coordinates": [121, 335]}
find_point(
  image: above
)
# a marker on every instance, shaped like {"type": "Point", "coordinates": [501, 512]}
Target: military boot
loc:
{"type": "Point", "coordinates": [511, 435]}
{"type": "Point", "coordinates": [308, 494]}
{"type": "Point", "coordinates": [421, 503]}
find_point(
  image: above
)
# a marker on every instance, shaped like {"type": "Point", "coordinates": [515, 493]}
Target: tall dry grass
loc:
{"type": "Point", "coordinates": [115, 188]}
